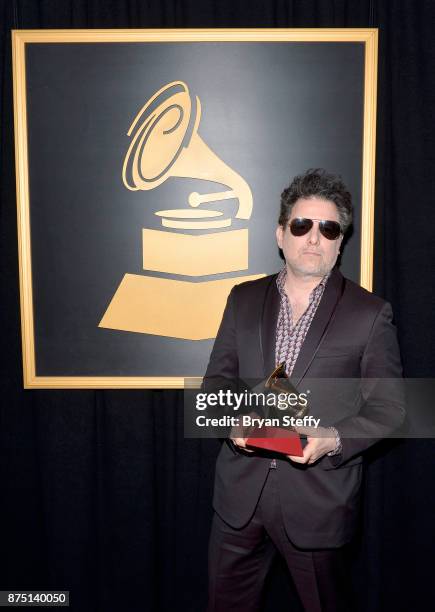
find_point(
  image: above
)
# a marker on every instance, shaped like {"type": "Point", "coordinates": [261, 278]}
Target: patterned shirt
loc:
{"type": "Point", "coordinates": [290, 336]}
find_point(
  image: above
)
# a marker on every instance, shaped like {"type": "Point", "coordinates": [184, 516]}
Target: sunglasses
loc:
{"type": "Point", "coordinates": [301, 226]}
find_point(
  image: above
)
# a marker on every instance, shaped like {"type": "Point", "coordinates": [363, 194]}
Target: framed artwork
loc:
{"type": "Point", "coordinates": [150, 165]}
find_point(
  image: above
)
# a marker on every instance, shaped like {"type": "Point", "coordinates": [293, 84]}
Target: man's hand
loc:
{"type": "Point", "coordinates": [241, 442]}
{"type": "Point", "coordinates": [320, 441]}
{"type": "Point", "coordinates": [239, 435]}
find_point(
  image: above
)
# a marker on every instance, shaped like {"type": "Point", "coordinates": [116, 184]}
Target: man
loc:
{"type": "Point", "coordinates": [322, 326]}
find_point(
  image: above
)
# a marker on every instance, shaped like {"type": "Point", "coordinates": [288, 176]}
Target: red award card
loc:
{"type": "Point", "coordinates": [276, 439]}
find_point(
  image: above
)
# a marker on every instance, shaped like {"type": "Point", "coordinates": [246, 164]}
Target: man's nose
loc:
{"type": "Point", "coordinates": [314, 234]}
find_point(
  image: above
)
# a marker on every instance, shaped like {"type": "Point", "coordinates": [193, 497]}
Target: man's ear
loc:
{"type": "Point", "coordinates": [279, 235]}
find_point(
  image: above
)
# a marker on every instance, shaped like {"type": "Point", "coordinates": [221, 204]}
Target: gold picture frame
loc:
{"type": "Point", "coordinates": [22, 39]}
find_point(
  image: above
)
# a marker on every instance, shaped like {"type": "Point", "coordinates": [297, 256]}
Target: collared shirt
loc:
{"type": "Point", "coordinates": [289, 335]}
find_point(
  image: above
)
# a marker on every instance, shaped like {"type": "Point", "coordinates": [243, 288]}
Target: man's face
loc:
{"type": "Point", "coordinates": [311, 254]}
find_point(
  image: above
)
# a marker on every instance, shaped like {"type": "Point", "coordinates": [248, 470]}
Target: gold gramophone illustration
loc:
{"type": "Point", "coordinates": [164, 144]}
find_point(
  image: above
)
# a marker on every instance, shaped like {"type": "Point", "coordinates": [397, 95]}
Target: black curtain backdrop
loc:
{"type": "Point", "coordinates": [100, 493]}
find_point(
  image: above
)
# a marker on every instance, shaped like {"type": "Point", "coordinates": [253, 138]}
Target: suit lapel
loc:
{"type": "Point", "coordinates": [319, 324]}
{"type": "Point", "coordinates": [267, 327]}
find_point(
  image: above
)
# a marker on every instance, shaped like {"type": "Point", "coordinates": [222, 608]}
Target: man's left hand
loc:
{"type": "Point", "coordinates": [319, 442]}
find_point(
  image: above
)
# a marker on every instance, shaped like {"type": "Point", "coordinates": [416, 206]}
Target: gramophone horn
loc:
{"type": "Point", "coordinates": [279, 382]}
{"type": "Point", "coordinates": [165, 142]}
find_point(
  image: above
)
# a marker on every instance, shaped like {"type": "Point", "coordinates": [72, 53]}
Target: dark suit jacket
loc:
{"type": "Point", "coordinates": [351, 336]}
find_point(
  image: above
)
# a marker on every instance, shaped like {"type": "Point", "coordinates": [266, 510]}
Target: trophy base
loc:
{"type": "Point", "coordinates": [166, 307]}
{"type": "Point", "coordinates": [276, 439]}
{"type": "Point", "coordinates": [192, 255]}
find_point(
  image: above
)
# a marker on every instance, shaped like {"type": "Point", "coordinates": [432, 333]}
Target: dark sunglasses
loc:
{"type": "Point", "coordinates": [301, 226]}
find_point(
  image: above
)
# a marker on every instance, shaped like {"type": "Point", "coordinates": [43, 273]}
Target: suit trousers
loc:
{"type": "Point", "coordinates": [239, 560]}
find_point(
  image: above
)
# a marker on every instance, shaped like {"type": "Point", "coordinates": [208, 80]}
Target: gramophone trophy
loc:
{"type": "Point", "coordinates": [165, 143]}
{"type": "Point", "coordinates": [279, 439]}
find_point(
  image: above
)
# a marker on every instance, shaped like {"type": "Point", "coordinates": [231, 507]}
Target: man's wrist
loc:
{"type": "Point", "coordinates": [338, 445]}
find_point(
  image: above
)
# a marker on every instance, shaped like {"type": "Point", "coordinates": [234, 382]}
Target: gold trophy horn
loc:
{"type": "Point", "coordinates": [165, 142]}
{"type": "Point", "coordinates": [279, 382]}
